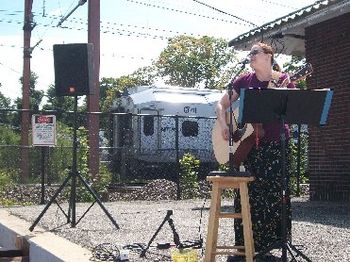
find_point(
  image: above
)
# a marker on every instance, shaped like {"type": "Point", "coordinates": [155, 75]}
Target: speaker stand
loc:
{"type": "Point", "coordinates": [73, 176]}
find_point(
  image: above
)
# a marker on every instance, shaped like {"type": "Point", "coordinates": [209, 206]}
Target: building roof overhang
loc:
{"type": "Point", "coordinates": [289, 30]}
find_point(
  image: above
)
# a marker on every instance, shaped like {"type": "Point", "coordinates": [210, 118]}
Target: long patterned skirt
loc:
{"type": "Point", "coordinates": [265, 194]}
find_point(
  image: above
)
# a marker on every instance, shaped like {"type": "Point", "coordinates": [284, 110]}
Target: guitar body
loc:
{"type": "Point", "coordinates": [243, 141]}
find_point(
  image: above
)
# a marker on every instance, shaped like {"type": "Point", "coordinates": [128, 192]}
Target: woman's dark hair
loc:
{"type": "Point", "coordinates": [267, 50]}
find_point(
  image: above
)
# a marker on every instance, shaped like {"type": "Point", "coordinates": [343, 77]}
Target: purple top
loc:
{"type": "Point", "coordinates": [249, 80]}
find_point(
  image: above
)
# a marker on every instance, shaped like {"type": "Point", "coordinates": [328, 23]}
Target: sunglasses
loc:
{"type": "Point", "coordinates": [255, 52]}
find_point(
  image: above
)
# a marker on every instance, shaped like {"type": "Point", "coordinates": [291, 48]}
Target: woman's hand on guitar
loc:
{"type": "Point", "coordinates": [225, 132]}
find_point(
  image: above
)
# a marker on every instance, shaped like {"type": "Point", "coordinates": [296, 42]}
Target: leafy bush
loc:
{"type": "Point", "coordinates": [99, 183]}
{"type": "Point", "coordinates": [8, 178]}
{"type": "Point", "coordinates": [293, 168]}
{"type": "Point", "coordinates": [189, 186]}
{"type": "Point", "coordinates": [9, 150]}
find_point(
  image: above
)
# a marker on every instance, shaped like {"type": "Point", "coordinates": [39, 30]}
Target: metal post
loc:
{"type": "Point", "coordinates": [27, 30]}
{"type": "Point", "coordinates": [298, 161]}
{"type": "Point", "coordinates": [177, 177]}
{"type": "Point", "coordinates": [42, 200]}
{"type": "Point", "coordinates": [93, 100]}
{"type": "Point", "coordinates": [74, 170]}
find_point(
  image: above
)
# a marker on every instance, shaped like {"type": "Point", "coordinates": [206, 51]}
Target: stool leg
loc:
{"type": "Point", "coordinates": [247, 223]}
{"type": "Point", "coordinates": [213, 224]}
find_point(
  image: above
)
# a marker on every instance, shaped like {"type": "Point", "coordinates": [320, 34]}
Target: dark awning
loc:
{"type": "Point", "coordinates": [289, 31]}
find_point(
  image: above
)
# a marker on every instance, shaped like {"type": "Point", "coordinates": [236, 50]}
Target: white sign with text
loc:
{"type": "Point", "coordinates": [44, 130]}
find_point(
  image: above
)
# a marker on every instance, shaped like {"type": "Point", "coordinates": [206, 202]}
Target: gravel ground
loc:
{"type": "Point", "coordinates": [322, 228]}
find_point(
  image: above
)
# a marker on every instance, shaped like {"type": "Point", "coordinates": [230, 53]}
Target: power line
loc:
{"type": "Point", "coordinates": [106, 29]}
{"type": "Point", "coordinates": [14, 70]}
{"type": "Point", "coordinates": [223, 12]}
{"type": "Point", "coordinates": [119, 31]}
{"type": "Point", "coordinates": [113, 54]}
{"type": "Point", "coordinates": [189, 13]}
{"type": "Point", "coordinates": [279, 4]}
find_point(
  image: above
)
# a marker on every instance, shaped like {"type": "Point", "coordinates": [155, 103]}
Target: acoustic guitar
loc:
{"type": "Point", "coordinates": [244, 136]}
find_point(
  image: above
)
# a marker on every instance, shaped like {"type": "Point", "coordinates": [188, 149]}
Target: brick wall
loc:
{"type": "Point", "coordinates": [328, 50]}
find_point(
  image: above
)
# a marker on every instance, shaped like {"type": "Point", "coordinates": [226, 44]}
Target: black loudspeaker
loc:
{"type": "Point", "coordinates": [73, 69]}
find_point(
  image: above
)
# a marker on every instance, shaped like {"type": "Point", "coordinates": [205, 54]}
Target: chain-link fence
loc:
{"type": "Point", "coordinates": [133, 147]}
{"type": "Point", "coordinates": [150, 146]}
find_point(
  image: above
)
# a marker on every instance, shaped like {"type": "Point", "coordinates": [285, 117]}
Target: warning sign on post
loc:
{"type": "Point", "coordinates": [44, 130]}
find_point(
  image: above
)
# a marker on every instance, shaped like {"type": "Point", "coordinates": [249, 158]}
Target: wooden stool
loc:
{"type": "Point", "coordinates": [218, 184]}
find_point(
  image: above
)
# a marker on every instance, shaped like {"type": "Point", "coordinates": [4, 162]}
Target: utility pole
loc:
{"type": "Point", "coordinates": [27, 29]}
{"type": "Point", "coordinates": [93, 100]}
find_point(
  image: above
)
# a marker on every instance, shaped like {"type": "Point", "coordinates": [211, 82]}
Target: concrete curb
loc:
{"type": "Point", "coordinates": [39, 244]}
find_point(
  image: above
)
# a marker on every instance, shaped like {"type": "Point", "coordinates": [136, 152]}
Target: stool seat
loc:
{"type": "Point", "coordinates": [212, 248]}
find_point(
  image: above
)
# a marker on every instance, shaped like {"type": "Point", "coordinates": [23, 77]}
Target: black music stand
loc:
{"type": "Point", "coordinates": [292, 106]}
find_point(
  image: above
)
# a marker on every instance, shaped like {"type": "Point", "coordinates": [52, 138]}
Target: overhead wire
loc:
{"type": "Point", "coordinates": [164, 33]}
{"type": "Point", "coordinates": [146, 35]}
{"type": "Point", "coordinates": [189, 13]}
{"type": "Point", "coordinates": [160, 33]}
{"type": "Point", "coordinates": [122, 31]}
{"type": "Point", "coordinates": [280, 4]}
{"type": "Point", "coordinates": [127, 29]}
{"type": "Point", "coordinates": [277, 4]}
{"type": "Point", "coordinates": [130, 57]}
{"type": "Point", "coordinates": [223, 12]}
{"type": "Point", "coordinates": [10, 68]}
{"type": "Point", "coordinates": [107, 29]}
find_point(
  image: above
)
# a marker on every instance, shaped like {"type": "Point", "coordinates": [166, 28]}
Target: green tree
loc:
{"type": "Point", "coordinates": [9, 153]}
{"type": "Point", "coordinates": [36, 96]}
{"type": "Point", "coordinates": [292, 66]}
{"type": "Point", "coordinates": [5, 102]}
{"type": "Point", "coordinates": [6, 117]}
{"type": "Point", "coordinates": [61, 104]}
{"type": "Point", "coordinates": [293, 63]}
{"type": "Point", "coordinates": [191, 62]}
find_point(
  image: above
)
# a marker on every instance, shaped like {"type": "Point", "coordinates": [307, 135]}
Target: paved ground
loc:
{"type": "Point", "coordinates": [323, 228]}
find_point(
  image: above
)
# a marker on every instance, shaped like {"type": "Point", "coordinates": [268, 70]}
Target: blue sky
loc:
{"type": "Point", "coordinates": [133, 32]}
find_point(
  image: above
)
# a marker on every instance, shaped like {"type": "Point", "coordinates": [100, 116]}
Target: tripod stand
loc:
{"type": "Point", "coordinates": [171, 224]}
{"type": "Point", "coordinates": [285, 245]}
{"type": "Point", "coordinates": [73, 176]}
{"type": "Point", "coordinates": [177, 241]}
{"type": "Point", "coordinates": [288, 106]}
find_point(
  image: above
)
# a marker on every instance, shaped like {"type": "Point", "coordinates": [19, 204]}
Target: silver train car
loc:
{"type": "Point", "coordinates": [154, 126]}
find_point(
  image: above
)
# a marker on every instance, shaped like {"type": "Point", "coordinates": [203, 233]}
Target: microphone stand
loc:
{"type": "Point", "coordinates": [229, 91]}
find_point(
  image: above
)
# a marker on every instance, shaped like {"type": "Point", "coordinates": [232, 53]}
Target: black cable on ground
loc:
{"type": "Point", "coordinates": [106, 252]}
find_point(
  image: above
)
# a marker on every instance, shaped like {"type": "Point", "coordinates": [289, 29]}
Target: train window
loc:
{"type": "Point", "coordinates": [148, 125]}
{"type": "Point", "coordinates": [189, 128]}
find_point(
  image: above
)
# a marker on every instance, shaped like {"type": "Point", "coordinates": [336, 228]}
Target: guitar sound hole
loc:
{"type": "Point", "coordinates": [241, 126]}
{"type": "Point", "coordinates": [237, 135]}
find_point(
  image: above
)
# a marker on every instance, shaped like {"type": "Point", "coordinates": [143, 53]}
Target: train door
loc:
{"type": "Point", "coordinates": [149, 135]}
{"type": "Point", "coordinates": [168, 133]}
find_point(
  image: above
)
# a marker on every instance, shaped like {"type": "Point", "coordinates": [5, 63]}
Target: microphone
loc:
{"type": "Point", "coordinates": [244, 60]}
